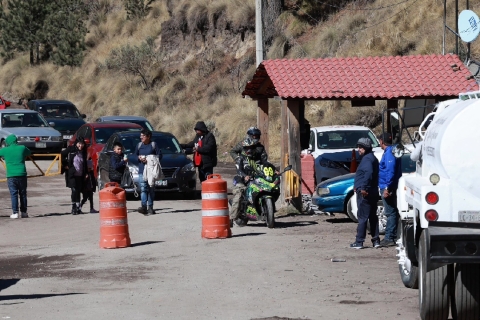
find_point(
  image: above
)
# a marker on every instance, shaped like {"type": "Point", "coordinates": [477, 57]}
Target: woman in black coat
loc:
{"type": "Point", "coordinates": [74, 165]}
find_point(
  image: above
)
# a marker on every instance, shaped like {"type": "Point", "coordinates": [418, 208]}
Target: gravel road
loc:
{"type": "Point", "coordinates": [51, 266]}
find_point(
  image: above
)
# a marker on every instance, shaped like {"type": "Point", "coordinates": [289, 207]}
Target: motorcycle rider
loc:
{"type": "Point", "coordinates": [260, 154]}
{"type": "Point", "coordinates": [246, 164]}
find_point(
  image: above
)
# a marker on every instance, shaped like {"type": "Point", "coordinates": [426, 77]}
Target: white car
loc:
{"type": "Point", "coordinates": [331, 147]}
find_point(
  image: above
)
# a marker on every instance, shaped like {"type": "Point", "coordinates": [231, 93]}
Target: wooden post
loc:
{"type": "Point", "coordinates": [391, 104]}
{"type": "Point", "coordinates": [283, 145]}
{"type": "Point", "coordinates": [294, 148]}
{"type": "Point", "coordinates": [262, 120]}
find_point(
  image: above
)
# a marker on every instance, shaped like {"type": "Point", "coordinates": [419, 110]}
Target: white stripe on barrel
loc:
{"type": "Point", "coordinates": [212, 196]}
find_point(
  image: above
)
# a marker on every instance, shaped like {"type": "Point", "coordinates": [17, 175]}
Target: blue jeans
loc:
{"type": "Point", "coordinates": [367, 211]}
{"type": "Point", "coordinates": [18, 188]}
{"type": "Point", "coordinates": [147, 193]}
{"type": "Point", "coordinates": [391, 212]}
{"type": "Point", "coordinates": [204, 172]}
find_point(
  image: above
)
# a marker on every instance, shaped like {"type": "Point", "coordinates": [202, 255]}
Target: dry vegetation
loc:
{"type": "Point", "coordinates": [205, 84]}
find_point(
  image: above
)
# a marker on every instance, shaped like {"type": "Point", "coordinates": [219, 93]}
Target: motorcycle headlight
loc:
{"type": "Point", "coordinates": [59, 138]}
{"type": "Point", "coordinates": [188, 168]}
{"type": "Point", "coordinates": [323, 191]}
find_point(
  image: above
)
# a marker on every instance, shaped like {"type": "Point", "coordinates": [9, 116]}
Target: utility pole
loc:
{"type": "Point", "coordinates": [258, 31]}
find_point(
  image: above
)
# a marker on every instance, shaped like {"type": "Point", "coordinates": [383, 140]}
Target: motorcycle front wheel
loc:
{"type": "Point", "coordinates": [269, 212]}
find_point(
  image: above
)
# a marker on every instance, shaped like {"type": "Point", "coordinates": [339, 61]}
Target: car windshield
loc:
{"type": "Point", "coordinates": [167, 144]}
{"type": "Point", "coordinates": [144, 123]}
{"type": "Point", "coordinates": [59, 111]}
{"type": "Point", "coordinates": [343, 139]}
{"type": "Point", "coordinates": [10, 120]}
{"type": "Point", "coordinates": [102, 134]}
{"type": "Point", "coordinates": [408, 166]}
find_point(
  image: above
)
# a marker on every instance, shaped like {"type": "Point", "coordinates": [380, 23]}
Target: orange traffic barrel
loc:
{"type": "Point", "coordinates": [113, 217]}
{"type": "Point", "coordinates": [353, 163]}
{"type": "Point", "coordinates": [215, 218]}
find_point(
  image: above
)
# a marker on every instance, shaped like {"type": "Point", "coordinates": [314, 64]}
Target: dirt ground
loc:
{"type": "Point", "coordinates": [51, 266]}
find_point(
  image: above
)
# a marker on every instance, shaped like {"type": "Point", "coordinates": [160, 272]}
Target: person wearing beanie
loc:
{"type": "Point", "coordinates": [14, 156]}
{"type": "Point", "coordinates": [74, 166]}
{"type": "Point", "coordinates": [390, 171]}
{"type": "Point", "coordinates": [204, 149]}
{"type": "Point", "coordinates": [365, 187]}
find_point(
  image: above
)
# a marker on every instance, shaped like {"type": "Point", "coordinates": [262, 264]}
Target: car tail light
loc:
{"type": "Point", "coordinates": [37, 139]}
{"type": "Point", "coordinates": [431, 198]}
{"type": "Point", "coordinates": [431, 215]}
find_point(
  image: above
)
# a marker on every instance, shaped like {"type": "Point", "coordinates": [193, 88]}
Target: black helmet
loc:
{"type": "Point", "coordinates": [254, 133]}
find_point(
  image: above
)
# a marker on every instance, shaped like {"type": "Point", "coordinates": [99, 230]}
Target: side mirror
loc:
{"type": "Point", "coordinates": [83, 115]}
{"type": "Point", "coordinates": [310, 148]}
{"type": "Point", "coordinates": [7, 103]}
{"type": "Point", "coordinates": [51, 124]}
{"type": "Point", "coordinates": [398, 151]}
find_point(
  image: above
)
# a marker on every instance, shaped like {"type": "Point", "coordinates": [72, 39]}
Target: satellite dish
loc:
{"type": "Point", "coordinates": [468, 25]}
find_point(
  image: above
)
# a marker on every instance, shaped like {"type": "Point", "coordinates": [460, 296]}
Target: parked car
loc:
{"type": "Point", "coordinates": [96, 135]}
{"type": "Point", "coordinates": [4, 103]}
{"type": "Point", "coordinates": [331, 147]}
{"type": "Point", "coordinates": [179, 172]}
{"type": "Point", "coordinates": [31, 129]}
{"type": "Point", "coordinates": [61, 114]}
{"type": "Point", "coordinates": [133, 119]}
{"type": "Point", "coordinates": [336, 194]}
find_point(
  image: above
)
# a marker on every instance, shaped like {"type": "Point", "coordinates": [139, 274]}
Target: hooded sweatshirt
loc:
{"type": "Point", "coordinates": [14, 155]}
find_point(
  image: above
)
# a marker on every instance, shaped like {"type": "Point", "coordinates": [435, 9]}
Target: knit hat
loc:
{"type": "Point", "coordinates": [386, 138]}
{"type": "Point", "coordinates": [365, 143]}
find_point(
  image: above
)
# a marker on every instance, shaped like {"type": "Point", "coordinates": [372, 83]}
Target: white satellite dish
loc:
{"type": "Point", "coordinates": [468, 25]}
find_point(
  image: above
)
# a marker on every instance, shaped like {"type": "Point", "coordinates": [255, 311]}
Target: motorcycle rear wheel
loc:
{"type": "Point", "coordinates": [269, 212]}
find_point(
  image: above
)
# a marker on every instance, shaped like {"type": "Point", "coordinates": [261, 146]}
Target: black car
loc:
{"type": "Point", "coordinates": [179, 171]}
{"type": "Point", "coordinates": [62, 113]}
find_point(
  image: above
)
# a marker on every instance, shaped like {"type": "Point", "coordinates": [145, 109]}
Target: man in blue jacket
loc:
{"type": "Point", "coordinates": [390, 170]}
{"type": "Point", "coordinates": [366, 190]}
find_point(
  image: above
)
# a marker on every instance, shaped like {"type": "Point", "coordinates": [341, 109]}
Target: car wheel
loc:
{"type": "Point", "coordinates": [349, 210]}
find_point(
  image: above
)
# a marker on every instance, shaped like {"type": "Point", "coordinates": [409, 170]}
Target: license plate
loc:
{"type": "Point", "coordinates": [161, 183]}
{"type": "Point", "coordinates": [40, 145]}
{"type": "Point", "coordinates": [469, 216]}
{"type": "Point", "coordinates": [67, 137]}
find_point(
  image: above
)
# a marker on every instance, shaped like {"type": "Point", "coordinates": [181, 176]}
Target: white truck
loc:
{"type": "Point", "coordinates": [438, 246]}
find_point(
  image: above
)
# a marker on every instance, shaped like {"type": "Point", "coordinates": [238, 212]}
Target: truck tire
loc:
{"type": "Point", "coordinates": [270, 213]}
{"type": "Point", "coordinates": [408, 271]}
{"type": "Point", "coordinates": [434, 285]}
{"type": "Point", "coordinates": [349, 210]}
{"type": "Point", "coordinates": [382, 219]}
{"type": "Point", "coordinates": [467, 292]}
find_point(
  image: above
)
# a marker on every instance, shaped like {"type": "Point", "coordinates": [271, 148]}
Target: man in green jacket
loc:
{"type": "Point", "coordinates": [14, 157]}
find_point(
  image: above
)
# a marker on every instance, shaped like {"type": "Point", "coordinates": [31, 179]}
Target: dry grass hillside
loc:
{"type": "Point", "coordinates": [206, 53]}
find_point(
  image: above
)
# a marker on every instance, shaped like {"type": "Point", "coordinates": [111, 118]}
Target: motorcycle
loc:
{"type": "Point", "coordinates": [258, 200]}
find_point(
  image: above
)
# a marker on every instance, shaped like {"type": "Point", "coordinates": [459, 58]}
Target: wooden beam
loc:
{"type": "Point", "coordinates": [294, 148]}
{"type": "Point", "coordinates": [262, 121]}
{"type": "Point", "coordinates": [283, 145]}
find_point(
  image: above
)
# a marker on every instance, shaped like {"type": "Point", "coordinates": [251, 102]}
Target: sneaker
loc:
{"type": "Point", "coordinates": [150, 211]}
{"type": "Point", "coordinates": [142, 210]}
{"type": "Point", "coordinates": [79, 211]}
{"type": "Point", "coordinates": [356, 245]}
{"type": "Point", "coordinates": [24, 215]}
{"type": "Point", "coordinates": [14, 216]}
{"type": "Point", "coordinates": [93, 211]}
{"type": "Point", "coordinates": [376, 244]}
{"type": "Point", "coordinates": [387, 243]}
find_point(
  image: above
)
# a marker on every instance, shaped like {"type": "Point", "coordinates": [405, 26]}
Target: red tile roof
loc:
{"type": "Point", "coordinates": [379, 78]}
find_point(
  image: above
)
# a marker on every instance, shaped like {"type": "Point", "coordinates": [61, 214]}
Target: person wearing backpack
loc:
{"type": "Point", "coordinates": [204, 149]}
{"type": "Point", "coordinates": [145, 148]}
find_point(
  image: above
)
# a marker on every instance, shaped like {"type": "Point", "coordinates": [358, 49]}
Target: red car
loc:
{"type": "Point", "coordinates": [96, 135]}
{"type": "Point", "coordinates": [4, 103]}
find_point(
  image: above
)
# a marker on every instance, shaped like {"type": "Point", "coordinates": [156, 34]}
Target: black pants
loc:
{"type": "Point", "coordinates": [367, 211]}
{"type": "Point", "coordinates": [76, 191]}
{"type": "Point", "coordinates": [204, 172]}
{"type": "Point", "coordinates": [87, 195]}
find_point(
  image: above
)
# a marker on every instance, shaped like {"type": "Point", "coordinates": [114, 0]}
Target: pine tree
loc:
{"type": "Point", "coordinates": [22, 27]}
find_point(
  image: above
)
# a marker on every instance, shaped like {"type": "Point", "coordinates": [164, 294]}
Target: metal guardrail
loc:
{"type": "Point", "coordinates": [46, 173]}
{"type": "Point", "coordinates": [291, 182]}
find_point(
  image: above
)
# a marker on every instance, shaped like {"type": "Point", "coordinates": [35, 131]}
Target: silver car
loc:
{"type": "Point", "coordinates": [31, 129]}
{"type": "Point", "coordinates": [132, 119]}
